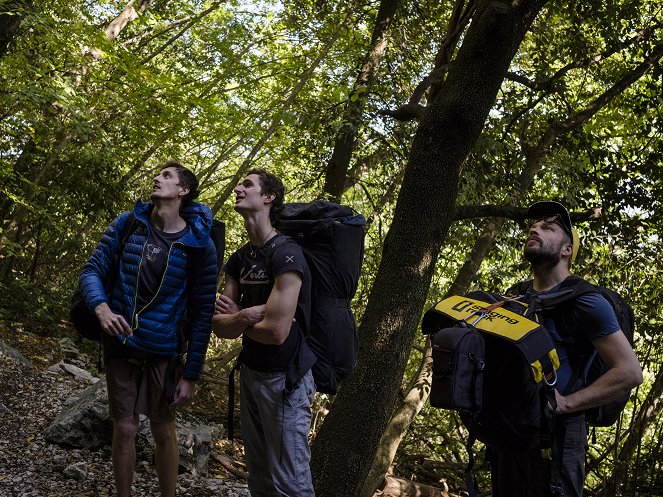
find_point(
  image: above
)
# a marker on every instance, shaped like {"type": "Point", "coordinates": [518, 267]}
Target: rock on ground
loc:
{"type": "Point", "coordinates": [30, 466]}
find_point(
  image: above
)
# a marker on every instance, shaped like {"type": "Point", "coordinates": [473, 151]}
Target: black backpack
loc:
{"type": "Point", "coordinates": [497, 368]}
{"type": "Point", "coordinates": [332, 240]}
{"type": "Point", "coordinates": [591, 367]}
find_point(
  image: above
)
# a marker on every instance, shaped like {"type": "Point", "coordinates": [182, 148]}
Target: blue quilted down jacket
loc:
{"type": "Point", "coordinates": [155, 326]}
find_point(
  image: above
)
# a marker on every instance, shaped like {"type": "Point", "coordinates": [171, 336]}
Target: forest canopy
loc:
{"type": "Point", "coordinates": [439, 121]}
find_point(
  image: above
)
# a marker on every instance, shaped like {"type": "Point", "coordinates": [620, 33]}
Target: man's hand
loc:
{"type": "Point", "coordinates": [562, 404]}
{"type": "Point", "coordinates": [184, 392]}
{"type": "Point", "coordinates": [112, 323]}
{"type": "Point", "coordinates": [226, 305]}
{"type": "Point", "coordinates": [254, 314]}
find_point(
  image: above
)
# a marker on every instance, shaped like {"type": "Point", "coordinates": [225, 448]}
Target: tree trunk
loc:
{"type": "Point", "coordinates": [649, 412]}
{"type": "Point", "coordinates": [352, 430]}
{"type": "Point", "coordinates": [13, 13]}
{"type": "Point", "coordinates": [345, 139]}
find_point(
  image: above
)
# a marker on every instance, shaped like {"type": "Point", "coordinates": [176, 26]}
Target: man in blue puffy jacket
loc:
{"type": "Point", "coordinates": [167, 268]}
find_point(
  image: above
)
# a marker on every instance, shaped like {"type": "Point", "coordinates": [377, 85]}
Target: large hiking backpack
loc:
{"type": "Point", "coordinates": [332, 240]}
{"type": "Point", "coordinates": [218, 237]}
{"type": "Point", "coordinates": [592, 367]}
{"type": "Point", "coordinates": [497, 368]}
{"type": "Point", "coordinates": [513, 358]}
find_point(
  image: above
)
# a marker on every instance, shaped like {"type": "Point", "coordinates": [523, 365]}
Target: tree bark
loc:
{"type": "Point", "coordinates": [649, 412]}
{"type": "Point", "coordinates": [13, 13]}
{"type": "Point", "coordinates": [352, 430]}
{"type": "Point", "coordinates": [128, 14]}
{"type": "Point", "coordinates": [335, 176]}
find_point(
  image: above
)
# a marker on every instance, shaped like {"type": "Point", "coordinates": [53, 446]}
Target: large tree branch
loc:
{"type": "Point", "coordinates": [344, 142]}
{"type": "Point", "coordinates": [413, 110]}
{"type": "Point", "coordinates": [548, 84]}
{"type": "Point", "coordinates": [128, 14]}
{"type": "Point", "coordinates": [518, 214]}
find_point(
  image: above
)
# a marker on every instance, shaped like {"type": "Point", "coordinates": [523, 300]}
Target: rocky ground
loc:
{"type": "Point", "coordinates": [30, 398]}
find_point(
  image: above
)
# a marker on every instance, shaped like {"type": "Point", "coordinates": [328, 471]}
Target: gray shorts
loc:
{"type": "Point", "coordinates": [275, 434]}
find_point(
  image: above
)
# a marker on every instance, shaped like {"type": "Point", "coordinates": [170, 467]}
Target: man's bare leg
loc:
{"type": "Point", "coordinates": [167, 456]}
{"type": "Point", "coordinates": [124, 453]}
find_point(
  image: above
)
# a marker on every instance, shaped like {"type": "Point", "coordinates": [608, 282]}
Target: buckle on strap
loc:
{"type": "Point", "coordinates": [550, 379]}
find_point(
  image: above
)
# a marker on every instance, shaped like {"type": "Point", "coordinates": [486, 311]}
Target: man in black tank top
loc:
{"type": "Point", "coordinates": [266, 301]}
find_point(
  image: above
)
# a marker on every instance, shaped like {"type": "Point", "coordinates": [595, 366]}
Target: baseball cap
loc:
{"type": "Point", "coordinates": [549, 208]}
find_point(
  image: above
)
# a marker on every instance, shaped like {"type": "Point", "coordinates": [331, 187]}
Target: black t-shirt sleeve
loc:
{"type": "Point", "coordinates": [232, 267]}
{"type": "Point", "coordinates": [288, 257]}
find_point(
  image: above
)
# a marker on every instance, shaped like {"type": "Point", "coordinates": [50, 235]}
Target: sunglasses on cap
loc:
{"type": "Point", "coordinates": [552, 218]}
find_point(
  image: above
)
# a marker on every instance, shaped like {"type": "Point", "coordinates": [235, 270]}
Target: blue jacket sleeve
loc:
{"type": "Point", "coordinates": [96, 269]}
{"type": "Point", "coordinates": [200, 308]}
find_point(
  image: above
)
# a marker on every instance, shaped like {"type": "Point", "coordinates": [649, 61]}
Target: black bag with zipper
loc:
{"type": "Point", "coordinates": [332, 239]}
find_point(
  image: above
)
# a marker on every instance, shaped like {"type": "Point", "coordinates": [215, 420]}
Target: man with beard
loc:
{"type": "Point", "coordinates": [551, 246]}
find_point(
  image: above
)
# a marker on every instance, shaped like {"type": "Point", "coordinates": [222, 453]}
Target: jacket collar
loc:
{"type": "Point", "coordinates": [198, 217]}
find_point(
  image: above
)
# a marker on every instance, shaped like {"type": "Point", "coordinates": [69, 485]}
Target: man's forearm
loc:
{"type": "Point", "coordinates": [230, 325]}
{"type": "Point", "coordinates": [612, 385]}
{"type": "Point", "coordinates": [267, 332]}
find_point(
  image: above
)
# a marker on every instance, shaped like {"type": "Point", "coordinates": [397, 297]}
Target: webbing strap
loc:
{"type": "Point", "coordinates": [548, 404]}
{"type": "Point", "coordinates": [231, 397]}
{"type": "Point", "coordinates": [470, 480]}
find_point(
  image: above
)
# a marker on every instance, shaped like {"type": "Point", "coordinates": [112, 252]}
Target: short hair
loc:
{"type": "Point", "coordinates": [270, 183]}
{"type": "Point", "coordinates": [186, 178]}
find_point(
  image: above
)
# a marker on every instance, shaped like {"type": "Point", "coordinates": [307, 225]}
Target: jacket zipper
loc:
{"type": "Point", "coordinates": [163, 277]}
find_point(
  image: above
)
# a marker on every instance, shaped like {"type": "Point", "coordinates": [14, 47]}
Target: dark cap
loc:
{"type": "Point", "coordinates": [550, 208]}
{"type": "Point", "coordinates": [546, 208]}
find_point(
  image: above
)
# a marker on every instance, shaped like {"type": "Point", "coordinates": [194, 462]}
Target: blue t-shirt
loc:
{"type": "Point", "coordinates": [592, 317]}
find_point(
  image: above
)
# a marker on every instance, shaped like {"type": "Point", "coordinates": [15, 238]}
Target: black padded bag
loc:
{"type": "Point", "coordinates": [458, 362]}
{"type": "Point", "coordinates": [332, 240]}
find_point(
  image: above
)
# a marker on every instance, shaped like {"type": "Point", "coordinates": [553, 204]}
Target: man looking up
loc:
{"type": "Point", "coordinates": [167, 267]}
{"type": "Point", "coordinates": [550, 248]}
{"type": "Point", "coordinates": [266, 300]}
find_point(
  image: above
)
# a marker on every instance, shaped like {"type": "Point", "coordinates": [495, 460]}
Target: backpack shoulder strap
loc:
{"type": "Point", "coordinates": [520, 288]}
{"type": "Point", "coordinates": [130, 227]}
{"type": "Point", "coordinates": [275, 243]}
{"type": "Point", "coordinates": [570, 289]}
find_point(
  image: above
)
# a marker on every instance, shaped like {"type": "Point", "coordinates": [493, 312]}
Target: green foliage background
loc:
{"type": "Point", "coordinates": [86, 121]}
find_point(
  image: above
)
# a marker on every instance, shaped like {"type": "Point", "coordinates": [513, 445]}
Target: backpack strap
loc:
{"type": "Point", "coordinates": [231, 397]}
